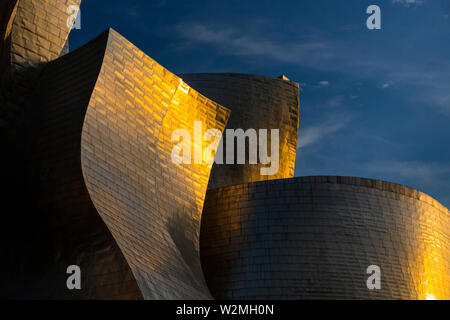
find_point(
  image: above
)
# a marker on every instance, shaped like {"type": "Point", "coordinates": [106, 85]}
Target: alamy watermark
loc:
{"type": "Point", "coordinates": [74, 280]}
{"type": "Point", "coordinates": [374, 20]}
{"type": "Point", "coordinates": [236, 151]}
{"type": "Point", "coordinates": [374, 281]}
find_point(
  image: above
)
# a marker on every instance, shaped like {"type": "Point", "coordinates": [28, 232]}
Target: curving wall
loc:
{"type": "Point", "coordinates": [152, 206]}
{"type": "Point", "coordinates": [90, 179]}
{"type": "Point", "coordinates": [256, 102]}
{"type": "Point", "coordinates": [106, 195]}
{"type": "Point", "coordinates": [314, 237]}
{"type": "Point", "coordinates": [62, 225]}
{"type": "Point", "coordinates": [33, 33]}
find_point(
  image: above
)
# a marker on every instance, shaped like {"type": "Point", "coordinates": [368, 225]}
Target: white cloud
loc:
{"type": "Point", "coordinates": [427, 84]}
{"type": "Point", "coordinates": [232, 41]}
{"type": "Point", "coordinates": [429, 177]}
{"type": "Point", "coordinates": [332, 102]}
{"type": "Point", "coordinates": [434, 84]}
{"type": "Point", "coordinates": [408, 3]}
{"type": "Point", "coordinates": [414, 171]}
{"type": "Point", "coordinates": [314, 134]}
{"type": "Point", "coordinates": [335, 101]}
{"type": "Point", "coordinates": [442, 100]}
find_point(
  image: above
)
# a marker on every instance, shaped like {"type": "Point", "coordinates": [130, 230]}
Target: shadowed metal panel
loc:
{"type": "Point", "coordinates": [33, 33]}
{"type": "Point", "coordinates": [314, 237]}
{"type": "Point", "coordinates": [151, 205]}
{"type": "Point", "coordinates": [57, 225]}
{"type": "Point", "coordinates": [256, 102]}
{"type": "Point", "coordinates": [67, 227]}
{"type": "Point", "coordinates": [36, 34]}
{"type": "Point", "coordinates": [8, 10]}
{"type": "Point", "coordinates": [108, 111]}
{"type": "Point", "coordinates": [53, 223]}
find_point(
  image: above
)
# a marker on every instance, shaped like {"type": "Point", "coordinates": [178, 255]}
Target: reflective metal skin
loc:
{"type": "Point", "coordinates": [315, 237]}
{"type": "Point", "coordinates": [256, 102]}
{"type": "Point", "coordinates": [151, 205]}
{"type": "Point", "coordinates": [88, 179]}
{"type": "Point", "coordinates": [32, 34]}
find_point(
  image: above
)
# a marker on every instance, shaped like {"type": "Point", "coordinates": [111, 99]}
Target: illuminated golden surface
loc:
{"type": "Point", "coordinates": [314, 237]}
{"type": "Point", "coordinates": [33, 32]}
{"type": "Point", "coordinates": [151, 205]}
{"type": "Point", "coordinates": [256, 102]}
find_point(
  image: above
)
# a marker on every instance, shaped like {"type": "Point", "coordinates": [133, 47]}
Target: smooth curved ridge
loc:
{"type": "Point", "coordinates": [151, 205]}
{"type": "Point", "coordinates": [315, 237]}
{"type": "Point", "coordinates": [256, 102]}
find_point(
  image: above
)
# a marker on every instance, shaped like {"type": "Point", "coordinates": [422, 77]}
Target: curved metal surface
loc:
{"type": "Point", "coordinates": [315, 237]}
{"type": "Point", "coordinates": [256, 102]}
{"type": "Point", "coordinates": [43, 146]}
{"type": "Point", "coordinates": [38, 35]}
{"type": "Point", "coordinates": [106, 195]}
{"type": "Point", "coordinates": [33, 34]}
{"type": "Point", "coordinates": [66, 227]}
{"type": "Point", "coordinates": [151, 205]}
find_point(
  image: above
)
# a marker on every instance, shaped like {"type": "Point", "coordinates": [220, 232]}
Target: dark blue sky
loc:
{"type": "Point", "coordinates": [374, 104]}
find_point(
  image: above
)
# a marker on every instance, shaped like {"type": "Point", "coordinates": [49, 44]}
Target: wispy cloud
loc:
{"type": "Point", "coordinates": [428, 82]}
{"type": "Point", "coordinates": [313, 50]}
{"type": "Point", "coordinates": [335, 101]}
{"type": "Point", "coordinates": [313, 135]}
{"type": "Point", "coordinates": [434, 85]}
{"type": "Point", "coordinates": [134, 11]}
{"type": "Point", "coordinates": [332, 102]}
{"type": "Point", "coordinates": [408, 3]}
{"type": "Point", "coordinates": [413, 173]}
{"type": "Point", "coordinates": [442, 100]}
{"type": "Point", "coordinates": [231, 41]}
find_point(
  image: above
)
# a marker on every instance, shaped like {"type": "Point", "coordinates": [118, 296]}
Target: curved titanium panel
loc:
{"type": "Point", "coordinates": [151, 205]}
{"type": "Point", "coordinates": [315, 237]}
{"type": "Point", "coordinates": [62, 226]}
{"type": "Point", "coordinates": [256, 102]}
{"type": "Point", "coordinates": [34, 33]}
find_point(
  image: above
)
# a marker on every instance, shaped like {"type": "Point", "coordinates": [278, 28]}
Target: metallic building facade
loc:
{"type": "Point", "coordinates": [152, 206]}
{"type": "Point", "coordinates": [256, 102]}
{"type": "Point", "coordinates": [74, 233]}
{"type": "Point", "coordinates": [89, 180]}
{"type": "Point", "coordinates": [105, 111]}
{"type": "Point", "coordinates": [315, 237]}
{"type": "Point", "coordinates": [110, 146]}
{"type": "Point", "coordinates": [33, 33]}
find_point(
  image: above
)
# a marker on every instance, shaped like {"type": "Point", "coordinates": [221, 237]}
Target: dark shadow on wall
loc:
{"type": "Point", "coordinates": [49, 219]}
